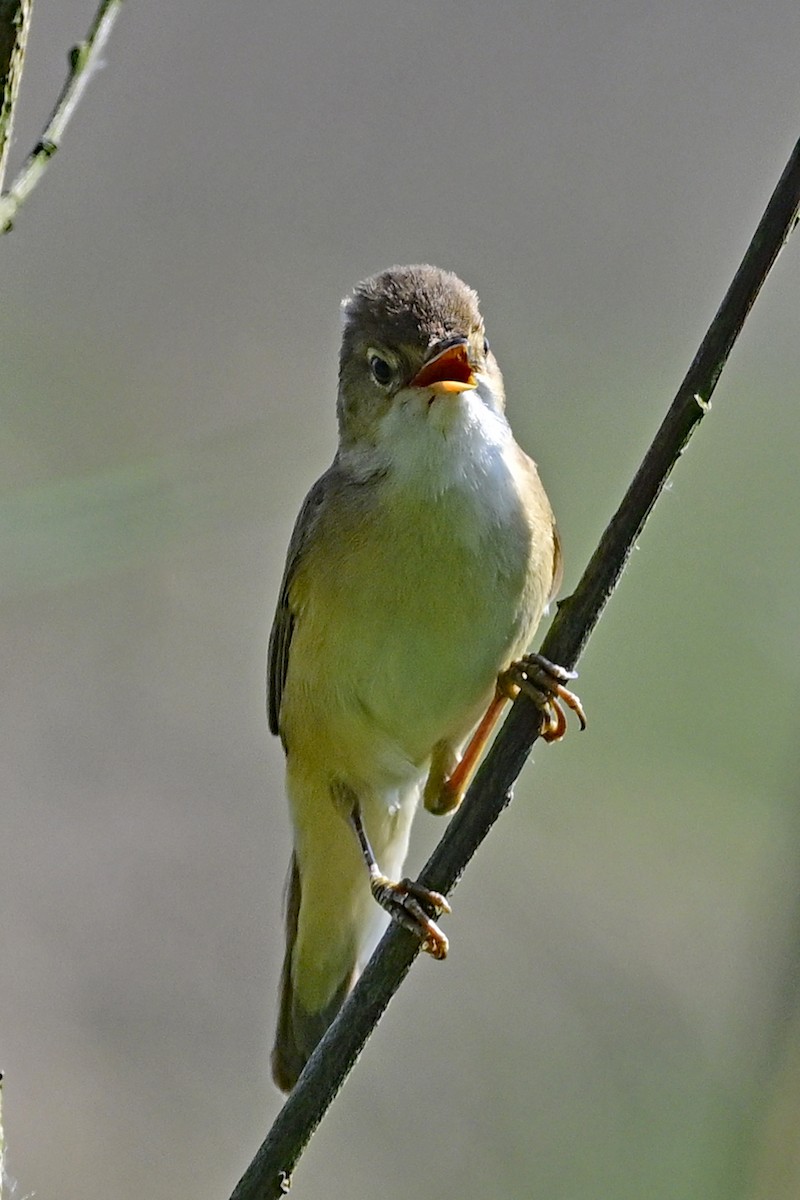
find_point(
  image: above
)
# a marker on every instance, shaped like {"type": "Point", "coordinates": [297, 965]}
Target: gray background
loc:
{"type": "Point", "coordinates": [615, 1019]}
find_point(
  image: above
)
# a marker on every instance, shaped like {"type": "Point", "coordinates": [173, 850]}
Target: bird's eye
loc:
{"type": "Point", "coordinates": [485, 346]}
{"type": "Point", "coordinates": [381, 370]}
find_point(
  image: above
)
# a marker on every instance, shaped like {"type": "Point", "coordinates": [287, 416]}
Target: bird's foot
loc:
{"type": "Point", "coordinates": [406, 903]}
{"type": "Point", "coordinates": [544, 683]}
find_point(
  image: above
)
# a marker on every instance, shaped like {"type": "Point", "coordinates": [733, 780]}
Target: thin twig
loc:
{"type": "Point", "coordinates": [83, 60]}
{"type": "Point", "coordinates": [268, 1175]}
{"type": "Point", "coordinates": [15, 19]}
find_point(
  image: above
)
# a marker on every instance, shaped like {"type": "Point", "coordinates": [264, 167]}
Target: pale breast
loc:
{"type": "Point", "coordinates": [415, 605]}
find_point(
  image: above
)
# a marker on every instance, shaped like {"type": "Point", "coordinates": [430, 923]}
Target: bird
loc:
{"type": "Point", "coordinates": [418, 570]}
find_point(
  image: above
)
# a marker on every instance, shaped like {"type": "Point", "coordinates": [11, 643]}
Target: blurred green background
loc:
{"type": "Point", "coordinates": [617, 1018]}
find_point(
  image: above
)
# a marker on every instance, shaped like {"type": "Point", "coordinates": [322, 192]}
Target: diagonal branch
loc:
{"type": "Point", "coordinates": [268, 1175]}
{"type": "Point", "coordinates": [83, 61]}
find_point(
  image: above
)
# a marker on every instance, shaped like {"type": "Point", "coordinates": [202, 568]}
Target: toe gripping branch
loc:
{"type": "Point", "coordinates": [544, 682]}
{"type": "Point", "coordinates": [408, 903]}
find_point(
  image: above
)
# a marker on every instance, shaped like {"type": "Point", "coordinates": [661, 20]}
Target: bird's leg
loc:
{"type": "Point", "coordinates": [449, 777]}
{"type": "Point", "coordinates": [406, 902]}
{"type": "Point", "coordinates": [544, 683]}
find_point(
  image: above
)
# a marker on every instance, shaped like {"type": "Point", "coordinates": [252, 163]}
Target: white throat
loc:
{"type": "Point", "coordinates": [450, 442]}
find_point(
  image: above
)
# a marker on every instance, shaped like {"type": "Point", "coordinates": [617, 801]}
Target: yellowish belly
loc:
{"type": "Point", "coordinates": [399, 645]}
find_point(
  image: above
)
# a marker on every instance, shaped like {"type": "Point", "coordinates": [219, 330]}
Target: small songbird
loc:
{"type": "Point", "coordinates": [417, 573]}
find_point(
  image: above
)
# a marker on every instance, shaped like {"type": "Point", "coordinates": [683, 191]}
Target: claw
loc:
{"type": "Point", "coordinates": [405, 903]}
{"type": "Point", "coordinates": [543, 682]}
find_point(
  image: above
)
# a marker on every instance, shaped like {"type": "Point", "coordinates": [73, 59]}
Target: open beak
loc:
{"type": "Point", "coordinates": [448, 373]}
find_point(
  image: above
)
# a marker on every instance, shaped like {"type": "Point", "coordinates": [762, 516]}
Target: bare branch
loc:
{"type": "Point", "coordinates": [267, 1177]}
{"type": "Point", "coordinates": [83, 60]}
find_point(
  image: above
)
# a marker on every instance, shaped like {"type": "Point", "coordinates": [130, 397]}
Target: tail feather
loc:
{"type": "Point", "coordinates": [299, 1030]}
